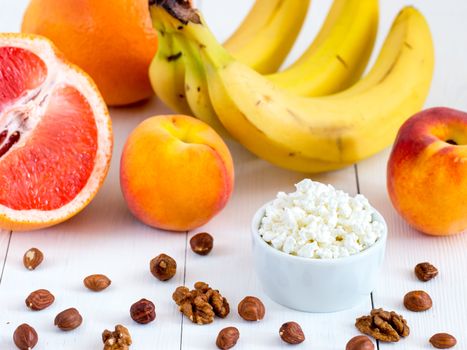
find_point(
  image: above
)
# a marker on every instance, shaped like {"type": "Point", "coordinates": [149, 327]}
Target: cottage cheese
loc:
{"type": "Point", "coordinates": [318, 221]}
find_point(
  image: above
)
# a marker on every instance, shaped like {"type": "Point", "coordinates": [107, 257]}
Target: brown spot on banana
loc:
{"type": "Point", "coordinates": [341, 60]}
{"type": "Point", "coordinates": [295, 116]}
{"type": "Point", "coordinates": [174, 57]}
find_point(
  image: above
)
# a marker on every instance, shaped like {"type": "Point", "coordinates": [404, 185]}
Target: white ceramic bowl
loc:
{"type": "Point", "coordinates": [317, 285]}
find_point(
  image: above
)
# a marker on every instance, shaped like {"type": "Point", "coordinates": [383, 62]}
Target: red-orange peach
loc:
{"type": "Point", "coordinates": [176, 172]}
{"type": "Point", "coordinates": [427, 171]}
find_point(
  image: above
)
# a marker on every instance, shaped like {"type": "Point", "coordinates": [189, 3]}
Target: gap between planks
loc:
{"type": "Point", "coordinates": [357, 180]}
{"type": "Point", "coordinates": [6, 255]}
{"type": "Point", "coordinates": [184, 283]}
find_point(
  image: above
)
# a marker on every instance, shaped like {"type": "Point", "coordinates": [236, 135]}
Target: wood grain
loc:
{"type": "Point", "coordinates": [105, 238]}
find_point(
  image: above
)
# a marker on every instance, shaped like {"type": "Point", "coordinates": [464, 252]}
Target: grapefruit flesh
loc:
{"type": "Point", "coordinates": [20, 70]}
{"type": "Point", "coordinates": [55, 135]}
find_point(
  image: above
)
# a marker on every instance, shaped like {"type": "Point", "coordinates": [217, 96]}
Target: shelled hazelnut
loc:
{"type": "Point", "coordinates": [163, 267]}
{"type": "Point", "coordinates": [25, 337]}
{"type": "Point", "coordinates": [202, 243]}
{"type": "Point", "coordinates": [32, 258]}
{"type": "Point", "coordinates": [227, 338]}
{"type": "Point", "coordinates": [68, 319]}
{"type": "Point", "coordinates": [292, 333]}
{"type": "Point", "coordinates": [143, 311]}
{"type": "Point", "coordinates": [251, 309]}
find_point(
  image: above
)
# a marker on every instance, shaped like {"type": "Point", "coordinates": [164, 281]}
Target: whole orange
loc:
{"type": "Point", "coordinates": [113, 41]}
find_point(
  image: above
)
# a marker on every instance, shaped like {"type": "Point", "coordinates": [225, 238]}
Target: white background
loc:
{"type": "Point", "coordinates": [105, 238]}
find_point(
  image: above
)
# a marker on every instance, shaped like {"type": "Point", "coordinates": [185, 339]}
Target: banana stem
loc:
{"type": "Point", "coordinates": [179, 18]}
{"type": "Point", "coordinates": [181, 10]}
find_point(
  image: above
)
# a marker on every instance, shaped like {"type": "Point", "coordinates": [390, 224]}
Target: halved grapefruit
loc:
{"type": "Point", "coordinates": [55, 135]}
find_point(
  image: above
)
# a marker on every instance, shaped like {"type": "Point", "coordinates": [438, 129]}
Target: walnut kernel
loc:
{"type": "Point", "coordinates": [201, 304]}
{"type": "Point", "coordinates": [119, 339]}
{"type": "Point", "coordinates": [383, 325]}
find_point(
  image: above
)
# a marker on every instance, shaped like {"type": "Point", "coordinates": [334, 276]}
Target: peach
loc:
{"type": "Point", "coordinates": [427, 171]}
{"type": "Point", "coordinates": [176, 172]}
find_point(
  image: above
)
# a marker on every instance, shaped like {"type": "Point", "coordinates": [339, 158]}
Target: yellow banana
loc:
{"type": "Point", "coordinates": [321, 133]}
{"type": "Point", "coordinates": [167, 72]}
{"type": "Point", "coordinates": [338, 56]}
{"type": "Point", "coordinates": [267, 49]}
{"type": "Point", "coordinates": [335, 58]}
{"type": "Point", "coordinates": [196, 87]}
{"type": "Point", "coordinates": [259, 16]}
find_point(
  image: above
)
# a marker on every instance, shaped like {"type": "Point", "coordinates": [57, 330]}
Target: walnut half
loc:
{"type": "Point", "coordinates": [119, 339]}
{"type": "Point", "coordinates": [383, 325]}
{"type": "Point", "coordinates": [201, 304]}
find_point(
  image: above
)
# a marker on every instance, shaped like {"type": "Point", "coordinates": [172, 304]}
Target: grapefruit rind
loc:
{"type": "Point", "coordinates": [59, 70]}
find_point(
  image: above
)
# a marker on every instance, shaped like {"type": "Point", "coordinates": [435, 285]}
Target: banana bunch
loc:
{"type": "Point", "coordinates": [335, 59]}
{"type": "Point", "coordinates": [247, 44]}
{"type": "Point", "coordinates": [297, 131]}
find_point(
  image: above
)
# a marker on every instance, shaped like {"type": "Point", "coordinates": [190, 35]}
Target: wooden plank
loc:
{"type": "Point", "coordinates": [122, 249]}
{"type": "Point", "coordinates": [406, 247]}
{"type": "Point", "coordinates": [106, 239]}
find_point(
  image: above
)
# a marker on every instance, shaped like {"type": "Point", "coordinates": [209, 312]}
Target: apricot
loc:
{"type": "Point", "coordinates": [176, 172]}
{"type": "Point", "coordinates": [427, 171]}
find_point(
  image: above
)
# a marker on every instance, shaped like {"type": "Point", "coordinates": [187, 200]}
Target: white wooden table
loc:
{"type": "Point", "coordinates": [105, 238]}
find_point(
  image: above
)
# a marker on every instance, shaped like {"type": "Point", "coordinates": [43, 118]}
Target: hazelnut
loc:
{"type": "Point", "coordinates": [119, 339]}
{"type": "Point", "coordinates": [202, 243]}
{"type": "Point", "coordinates": [32, 258]}
{"type": "Point", "coordinates": [39, 300]}
{"type": "Point", "coordinates": [68, 319]}
{"type": "Point", "coordinates": [227, 338]}
{"type": "Point", "coordinates": [163, 267]}
{"type": "Point", "coordinates": [25, 337]}
{"type": "Point", "coordinates": [143, 311]}
{"type": "Point", "coordinates": [97, 283]}
{"type": "Point", "coordinates": [425, 271]}
{"type": "Point", "coordinates": [360, 342]}
{"type": "Point", "coordinates": [292, 333]}
{"type": "Point", "coordinates": [251, 309]}
{"type": "Point", "coordinates": [443, 341]}
{"type": "Point", "coordinates": [417, 301]}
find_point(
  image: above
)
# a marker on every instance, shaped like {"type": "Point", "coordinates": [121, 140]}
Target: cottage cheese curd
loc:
{"type": "Point", "coordinates": [318, 221]}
